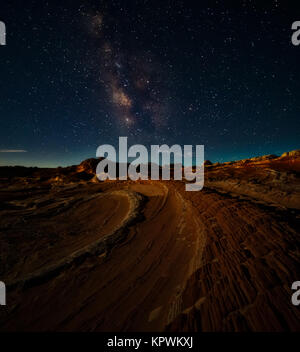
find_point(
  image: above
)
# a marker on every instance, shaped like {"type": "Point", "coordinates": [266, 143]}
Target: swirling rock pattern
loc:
{"type": "Point", "coordinates": [78, 255]}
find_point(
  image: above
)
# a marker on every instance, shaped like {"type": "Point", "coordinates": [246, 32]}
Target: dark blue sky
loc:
{"type": "Point", "coordinates": [80, 74]}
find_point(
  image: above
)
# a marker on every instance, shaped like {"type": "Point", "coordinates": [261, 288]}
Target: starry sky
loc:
{"type": "Point", "coordinates": [78, 74]}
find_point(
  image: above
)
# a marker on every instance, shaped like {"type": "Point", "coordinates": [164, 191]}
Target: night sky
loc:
{"type": "Point", "coordinates": [78, 74]}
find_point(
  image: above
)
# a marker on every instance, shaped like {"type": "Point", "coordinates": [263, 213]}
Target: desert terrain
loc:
{"type": "Point", "coordinates": [77, 254]}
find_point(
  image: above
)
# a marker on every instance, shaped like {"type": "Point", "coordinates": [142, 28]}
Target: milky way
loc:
{"type": "Point", "coordinates": [133, 79]}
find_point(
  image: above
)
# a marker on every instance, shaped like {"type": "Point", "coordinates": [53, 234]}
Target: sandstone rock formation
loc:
{"type": "Point", "coordinates": [82, 255]}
